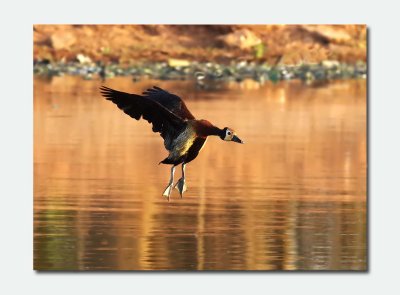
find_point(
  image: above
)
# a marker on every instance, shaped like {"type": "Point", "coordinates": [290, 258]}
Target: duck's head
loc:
{"type": "Point", "coordinates": [229, 134]}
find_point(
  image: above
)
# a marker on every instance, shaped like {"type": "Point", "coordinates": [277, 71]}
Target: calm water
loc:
{"type": "Point", "coordinates": [292, 198]}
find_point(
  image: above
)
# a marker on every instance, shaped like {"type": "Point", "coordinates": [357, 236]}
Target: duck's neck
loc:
{"type": "Point", "coordinates": [205, 129]}
{"type": "Point", "coordinates": [214, 130]}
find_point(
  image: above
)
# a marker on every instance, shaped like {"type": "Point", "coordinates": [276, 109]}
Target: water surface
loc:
{"type": "Point", "coordinates": [292, 198]}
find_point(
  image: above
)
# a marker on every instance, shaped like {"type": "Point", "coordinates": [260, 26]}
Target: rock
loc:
{"type": "Point", "coordinates": [173, 62]}
{"type": "Point", "coordinates": [330, 33]}
{"type": "Point", "coordinates": [242, 38]}
{"type": "Point", "coordinates": [83, 59]}
{"type": "Point", "coordinates": [62, 40]}
{"type": "Point", "coordinates": [330, 64]}
{"type": "Point", "coordinates": [199, 76]}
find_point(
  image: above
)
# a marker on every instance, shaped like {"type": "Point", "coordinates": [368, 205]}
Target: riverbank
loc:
{"type": "Point", "coordinates": [214, 52]}
{"type": "Point", "coordinates": [272, 44]}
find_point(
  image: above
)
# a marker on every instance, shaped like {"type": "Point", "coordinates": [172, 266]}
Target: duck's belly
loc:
{"type": "Point", "coordinates": [195, 149]}
{"type": "Point", "coordinates": [182, 144]}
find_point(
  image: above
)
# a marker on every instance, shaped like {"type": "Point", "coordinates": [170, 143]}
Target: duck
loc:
{"type": "Point", "coordinates": [184, 135]}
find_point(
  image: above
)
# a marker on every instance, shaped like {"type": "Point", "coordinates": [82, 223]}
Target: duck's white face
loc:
{"type": "Point", "coordinates": [230, 135]}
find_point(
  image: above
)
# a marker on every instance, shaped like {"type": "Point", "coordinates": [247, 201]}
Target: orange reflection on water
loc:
{"type": "Point", "coordinates": [292, 197]}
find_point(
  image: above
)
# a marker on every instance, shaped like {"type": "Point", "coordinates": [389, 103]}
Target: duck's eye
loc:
{"type": "Point", "coordinates": [229, 133]}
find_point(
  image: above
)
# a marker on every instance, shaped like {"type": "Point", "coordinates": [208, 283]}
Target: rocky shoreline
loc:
{"type": "Point", "coordinates": [202, 52]}
{"type": "Point", "coordinates": [184, 70]}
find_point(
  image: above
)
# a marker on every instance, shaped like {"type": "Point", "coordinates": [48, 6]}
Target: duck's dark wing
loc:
{"type": "Point", "coordinates": [170, 101]}
{"type": "Point", "coordinates": [137, 106]}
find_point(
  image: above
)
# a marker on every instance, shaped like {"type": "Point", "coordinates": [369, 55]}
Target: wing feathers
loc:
{"type": "Point", "coordinates": [137, 106]}
{"type": "Point", "coordinates": [170, 101]}
{"type": "Point", "coordinates": [163, 120]}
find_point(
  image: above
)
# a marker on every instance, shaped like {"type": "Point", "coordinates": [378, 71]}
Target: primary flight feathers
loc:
{"type": "Point", "coordinates": [156, 106]}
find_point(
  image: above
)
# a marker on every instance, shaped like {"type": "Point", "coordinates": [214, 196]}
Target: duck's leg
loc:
{"type": "Point", "coordinates": [169, 188]}
{"type": "Point", "coordinates": [181, 184]}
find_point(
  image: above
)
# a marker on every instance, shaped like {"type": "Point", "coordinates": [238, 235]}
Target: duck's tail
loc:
{"type": "Point", "coordinates": [167, 161]}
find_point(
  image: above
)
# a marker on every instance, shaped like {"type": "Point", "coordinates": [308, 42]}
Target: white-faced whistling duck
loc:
{"type": "Point", "coordinates": [183, 135]}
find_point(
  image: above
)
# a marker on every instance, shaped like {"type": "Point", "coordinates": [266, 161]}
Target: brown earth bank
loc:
{"type": "Point", "coordinates": [130, 44]}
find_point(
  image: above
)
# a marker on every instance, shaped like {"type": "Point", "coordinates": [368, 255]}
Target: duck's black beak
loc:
{"type": "Point", "coordinates": [237, 139]}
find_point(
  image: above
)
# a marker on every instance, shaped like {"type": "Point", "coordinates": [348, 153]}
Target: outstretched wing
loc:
{"type": "Point", "coordinates": [170, 101]}
{"type": "Point", "coordinates": [164, 121]}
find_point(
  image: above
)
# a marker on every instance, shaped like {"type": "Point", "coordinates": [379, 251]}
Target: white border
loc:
{"type": "Point", "coordinates": [17, 18]}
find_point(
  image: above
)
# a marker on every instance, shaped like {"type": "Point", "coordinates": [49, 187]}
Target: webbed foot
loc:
{"type": "Point", "coordinates": [167, 192]}
{"type": "Point", "coordinates": [181, 186]}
